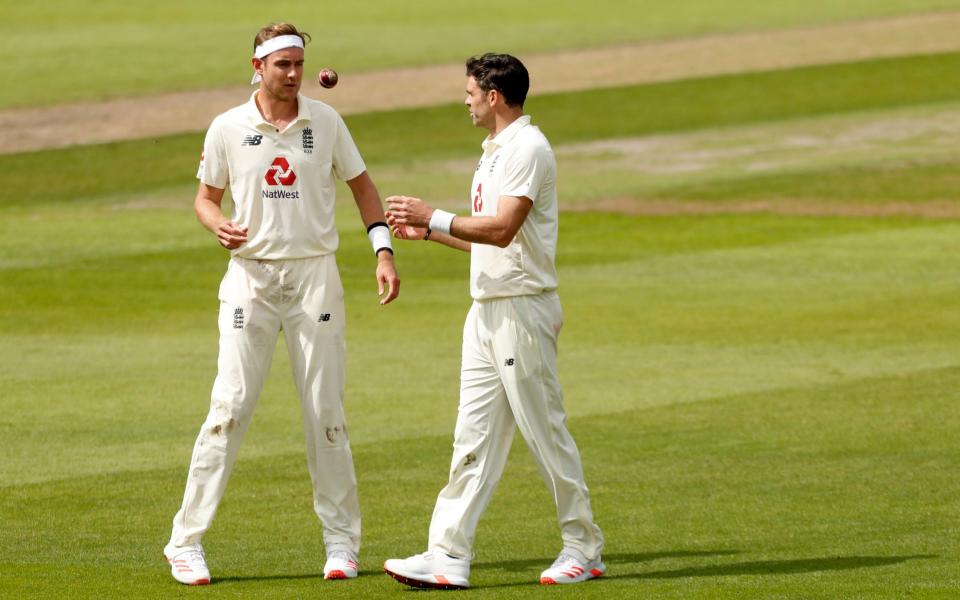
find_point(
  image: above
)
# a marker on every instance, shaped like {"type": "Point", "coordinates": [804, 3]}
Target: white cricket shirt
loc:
{"type": "Point", "coordinates": [517, 162]}
{"type": "Point", "coordinates": [282, 182]}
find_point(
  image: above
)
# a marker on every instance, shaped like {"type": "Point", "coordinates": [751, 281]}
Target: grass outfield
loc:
{"type": "Point", "coordinates": [442, 133]}
{"type": "Point", "coordinates": [762, 413]}
{"type": "Point", "coordinates": [115, 48]}
{"type": "Point", "coordinates": [765, 404]}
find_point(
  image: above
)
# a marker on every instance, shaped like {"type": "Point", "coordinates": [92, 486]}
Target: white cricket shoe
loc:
{"type": "Point", "coordinates": [341, 564]}
{"type": "Point", "coordinates": [433, 570]}
{"type": "Point", "coordinates": [570, 569]}
{"type": "Point", "coordinates": [188, 564]}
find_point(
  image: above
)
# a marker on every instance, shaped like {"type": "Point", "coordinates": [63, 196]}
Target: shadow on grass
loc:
{"type": "Point", "coordinates": [779, 567]}
{"type": "Point", "coordinates": [279, 577]}
{"type": "Point", "coordinates": [608, 559]}
{"type": "Point", "coordinates": [514, 565]}
{"type": "Point", "coordinates": [762, 567]}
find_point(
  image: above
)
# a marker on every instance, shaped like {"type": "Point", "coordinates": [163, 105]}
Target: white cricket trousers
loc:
{"type": "Point", "coordinates": [509, 380]}
{"type": "Point", "coordinates": [304, 297]}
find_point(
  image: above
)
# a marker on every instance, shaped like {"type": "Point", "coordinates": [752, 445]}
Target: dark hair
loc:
{"type": "Point", "coordinates": [277, 29]}
{"type": "Point", "coordinates": [503, 73]}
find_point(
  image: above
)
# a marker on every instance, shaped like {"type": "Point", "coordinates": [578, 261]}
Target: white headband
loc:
{"type": "Point", "coordinates": [272, 45]}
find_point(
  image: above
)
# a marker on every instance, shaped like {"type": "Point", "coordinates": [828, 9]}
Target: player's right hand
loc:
{"type": "Point", "coordinates": [231, 236]}
{"type": "Point", "coordinates": [405, 232]}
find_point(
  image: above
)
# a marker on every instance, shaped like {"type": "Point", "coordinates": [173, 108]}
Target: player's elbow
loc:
{"type": "Point", "coordinates": [502, 238]}
{"type": "Point", "coordinates": [497, 233]}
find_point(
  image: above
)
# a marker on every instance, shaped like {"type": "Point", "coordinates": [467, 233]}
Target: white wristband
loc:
{"type": "Point", "coordinates": [379, 236]}
{"type": "Point", "coordinates": [441, 221]}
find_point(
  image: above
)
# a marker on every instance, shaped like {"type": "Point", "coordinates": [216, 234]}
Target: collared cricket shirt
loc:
{"type": "Point", "coordinates": [517, 162]}
{"type": "Point", "coordinates": [282, 182]}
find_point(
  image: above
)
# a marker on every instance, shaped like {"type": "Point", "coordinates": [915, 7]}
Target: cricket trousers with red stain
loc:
{"type": "Point", "coordinates": [508, 381]}
{"type": "Point", "coordinates": [304, 297]}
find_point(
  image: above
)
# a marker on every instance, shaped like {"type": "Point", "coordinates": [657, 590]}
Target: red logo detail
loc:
{"type": "Point", "coordinates": [478, 199]}
{"type": "Point", "coordinates": [280, 173]}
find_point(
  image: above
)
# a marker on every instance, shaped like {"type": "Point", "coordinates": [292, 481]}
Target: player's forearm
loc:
{"type": "Point", "coordinates": [449, 240]}
{"type": "Point", "coordinates": [208, 213]}
{"type": "Point", "coordinates": [371, 211]}
{"type": "Point", "coordinates": [497, 230]}
{"type": "Point", "coordinates": [367, 198]}
{"type": "Point", "coordinates": [494, 231]}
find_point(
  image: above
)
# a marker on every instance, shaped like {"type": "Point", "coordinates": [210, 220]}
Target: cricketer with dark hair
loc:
{"type": "Point", "coordinates": [508, 376]}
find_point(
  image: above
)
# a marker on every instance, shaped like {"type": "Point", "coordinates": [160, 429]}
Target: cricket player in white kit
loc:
{"type": "Point", "coordinates": [279, 154]}
{"type": "Point", "coordinates": [509, 363]}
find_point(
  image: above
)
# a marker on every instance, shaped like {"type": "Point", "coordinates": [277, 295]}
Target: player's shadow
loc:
{"type": "Point", "coordinates": [620, 562]}
{"type": "Point", "coordinates": [609, 559]}
{"type": "Point", "coordinates": [760, 567]}
{"type": "Point", "coordinates": [217, 580]}
{"type": "Point", "coordinates": [779, 567]}
{"type": "Point", "coordinates": [318, 576]}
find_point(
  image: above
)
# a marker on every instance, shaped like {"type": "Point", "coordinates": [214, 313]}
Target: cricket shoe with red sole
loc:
{"type": "Point", "coordinates": [341, 564]}
{"type": "Point", "coordinates": [570, 569]}
{"type": "Point", "coordinates": [187, 564]}
{"type": "Point", "coordinates": [431, 570]}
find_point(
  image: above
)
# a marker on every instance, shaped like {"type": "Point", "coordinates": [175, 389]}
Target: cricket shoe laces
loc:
{"type": "Point", "coordinates": [341, 564]}
{"type": "Point", "coordinates": [189, 566]}
{"type": "Point", "coordinates": [570, 569]}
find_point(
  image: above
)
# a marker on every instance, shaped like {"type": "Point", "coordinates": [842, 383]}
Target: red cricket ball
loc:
{"type": "Point", "coordinates": [328, 78]}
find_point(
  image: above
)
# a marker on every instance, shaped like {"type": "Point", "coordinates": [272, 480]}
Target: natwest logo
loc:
{"type": "Point", "coordinates": [280, 173]}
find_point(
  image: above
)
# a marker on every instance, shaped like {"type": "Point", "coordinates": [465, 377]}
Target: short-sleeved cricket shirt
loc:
{"type": "Point", "coordinates": [517, 162]}
{"type": "Point", "coordinates": [282, 181]}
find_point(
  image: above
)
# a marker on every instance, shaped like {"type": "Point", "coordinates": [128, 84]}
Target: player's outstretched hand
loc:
{"type": "Point", "coordinates": [407, 210]}
{"type": "Point", "coordinates": [405, 232]}
{"type": "Point", "coordinates": [387, 276]}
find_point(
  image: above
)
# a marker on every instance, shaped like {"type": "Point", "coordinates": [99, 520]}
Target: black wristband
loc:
{"type": "Point", "coordinates": [427, 236]}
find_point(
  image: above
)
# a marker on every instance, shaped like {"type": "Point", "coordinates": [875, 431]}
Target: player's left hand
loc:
{"type": "Point", "coordinates": [407, 210]}
{"type": "Point", "coordinates": [387, 276]}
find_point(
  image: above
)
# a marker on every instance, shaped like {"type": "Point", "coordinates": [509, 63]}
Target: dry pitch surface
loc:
{"type": "Point", "coordinates": [120, 119]}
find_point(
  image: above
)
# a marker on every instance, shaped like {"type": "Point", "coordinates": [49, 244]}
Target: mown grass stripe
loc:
{"type": "Point", "coordinates": [134, 38]}
{"type": "Point", "coordinates": [892, 181]}
{"type": "Point", "coordinates": [442, 132]}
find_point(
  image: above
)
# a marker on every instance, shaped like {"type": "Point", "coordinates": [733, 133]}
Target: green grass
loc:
{"type": "Point", "coordinates": [862, 185]}
{"type": "Point", "coordinates": [405, 138]}
{"type": "Point", "coordinates": [862, 161]}
{"type": "Point", "coordinates": [750, 495]}
{"type": "Point", "coordinates": [677, 106]}
{"type": "Point", "coordinates": [115, 48]}
{"type": "Point", "coordinates": [765, 404]}
{"type": "Point", "coordinates": [756, 378]}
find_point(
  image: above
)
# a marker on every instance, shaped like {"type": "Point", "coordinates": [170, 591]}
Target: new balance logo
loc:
{"type": "Point", "coordinates": [323, 318]}
{"type": "Point", "coordinates": [280, 173]}
{"type": "Point", "coordinates": [252, 140]}
{"type": "Point", "coordinates": [508, 362]}
{"type": "Point", "coordinates": [238, 318]}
